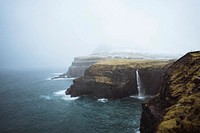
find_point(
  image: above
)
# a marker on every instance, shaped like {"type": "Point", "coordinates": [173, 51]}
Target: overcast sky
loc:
{"type": "Point", "coordinates": [50, 33]}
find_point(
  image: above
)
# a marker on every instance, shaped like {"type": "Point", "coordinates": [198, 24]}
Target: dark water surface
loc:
{"type": "Point", "coordinates": [30, 103]}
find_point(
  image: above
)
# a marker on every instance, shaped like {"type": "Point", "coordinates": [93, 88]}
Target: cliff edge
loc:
{"type": "Point", "coordinates": [177, 106]}
{"type": "Point", "coordinates": [116, 78]}
{"type": "Point", "coordinates": [80, 64]}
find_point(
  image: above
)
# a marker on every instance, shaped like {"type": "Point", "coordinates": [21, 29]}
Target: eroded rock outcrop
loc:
{"type": "Point", "coordinates": [116, 78]}
{"type": "Point", "coordinates": [177, 107]}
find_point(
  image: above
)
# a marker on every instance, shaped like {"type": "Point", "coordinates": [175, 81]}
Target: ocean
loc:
{"type": "Point", "coordinates": [32, 103]}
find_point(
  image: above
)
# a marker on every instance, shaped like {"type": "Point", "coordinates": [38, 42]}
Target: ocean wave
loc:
{"type": "Point", "coordinates": [63, 78]}
{"type": "Point", "coordinates": [71, 78]}
{"type": "Point", "coordinates": [63, 96]}
{"type": "Point", "coordinates": [103, 100]}
{"type": "Point", "coordinates": [137, 130]}
{"type": "Point", "coordinates": [46, 97]}
{"type": "Point", "coordinates": [60, 93]}
{"type": "Point", "coordinates": [48, 79]}
{"type": "Point", "coordinates": [68, 97]}
{"type": "Point", "coordinates": [58, 73]}
{"type": "Point", "coordinates": [55, 78]}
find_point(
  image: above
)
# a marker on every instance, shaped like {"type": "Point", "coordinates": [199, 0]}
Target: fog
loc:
{"type": "Point", "coordinates": [50, 33]}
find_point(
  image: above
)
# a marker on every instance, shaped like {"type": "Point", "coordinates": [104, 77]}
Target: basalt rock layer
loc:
{"type": "Point", "coordinates": [116, 78]}
{"type": "Point", "coordinates": [177, 106]}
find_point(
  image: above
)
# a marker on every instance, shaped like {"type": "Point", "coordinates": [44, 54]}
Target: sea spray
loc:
{"type": "Point", "coordinates": [103, 100]}
{"type": "Point", "coordinates": [63, 96]}
{"type": "Point", "coordinates": [46, 97]}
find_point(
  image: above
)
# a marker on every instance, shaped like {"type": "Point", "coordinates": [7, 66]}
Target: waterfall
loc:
{"type": "Point", "coordinates": [139, 85]}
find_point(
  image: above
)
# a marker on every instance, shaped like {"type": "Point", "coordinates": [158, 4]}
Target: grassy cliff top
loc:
{"type": "Point", "coordinates": [108, 67]}
{"type": "Point", "coordinates": [137, 63]}
{"type": "Point", "coordinates": [183, 94]}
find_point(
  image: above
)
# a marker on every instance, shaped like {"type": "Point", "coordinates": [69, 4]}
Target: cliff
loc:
{"type": "Point", "coordinates": [80, 64]}
{"type": "Point", "coordinates": [177, 106]}
{"type": "Point", "coordinates": [116, 78]}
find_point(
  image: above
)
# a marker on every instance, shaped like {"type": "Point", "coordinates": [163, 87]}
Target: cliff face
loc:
{"type": "Point", "coordinates": [117, 78]}
{"type": "Point", "coordinates": [80, 64]}
{"type": "Point", "coordinates": [151, 79]}
{"type": "Point", "coordinates": [177, 107]}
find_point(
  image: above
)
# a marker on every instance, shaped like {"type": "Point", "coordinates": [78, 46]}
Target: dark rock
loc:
{"type": "Point", "coordinates": [151, 79]}
{"type": "Point", "coordinates": [176, 108]}
{"type": "Point", "coordinates": [117, 78]}
{"type": "Point", "coordinates": [80, 64]}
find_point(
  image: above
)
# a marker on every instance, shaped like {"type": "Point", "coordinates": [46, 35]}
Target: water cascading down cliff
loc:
{"type": "Point", "coordinates": [140, 88]}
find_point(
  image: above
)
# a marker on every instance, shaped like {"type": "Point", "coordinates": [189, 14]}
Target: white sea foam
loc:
{"type": "Point", "coordinates": [59, 93]}
{"type": "Point", "coordinates": [57, 73]}
{"type": "Point", "coordinates": [65, 78]}
{"type": "Point", "coordinates": [68, 97]}
{"type": "Point", "coordinates": [71, 78]}
{"type": "Point", "coordinates": [46, 97]}
{"type": "Point", "coordinates": [137, 130]}
{"type": "Point", "coordinates": [48, 79]}
{"type": "Point", "coordinates": [141, 97]}
{"type": "Point", "coordinates": [56, 78]}
{"type": "Point", "coordinates": [103, 100]}
{"type": "Point", "coordinates": [138, 97]}
{"type": "Point", "coordinates": [63, 96]}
